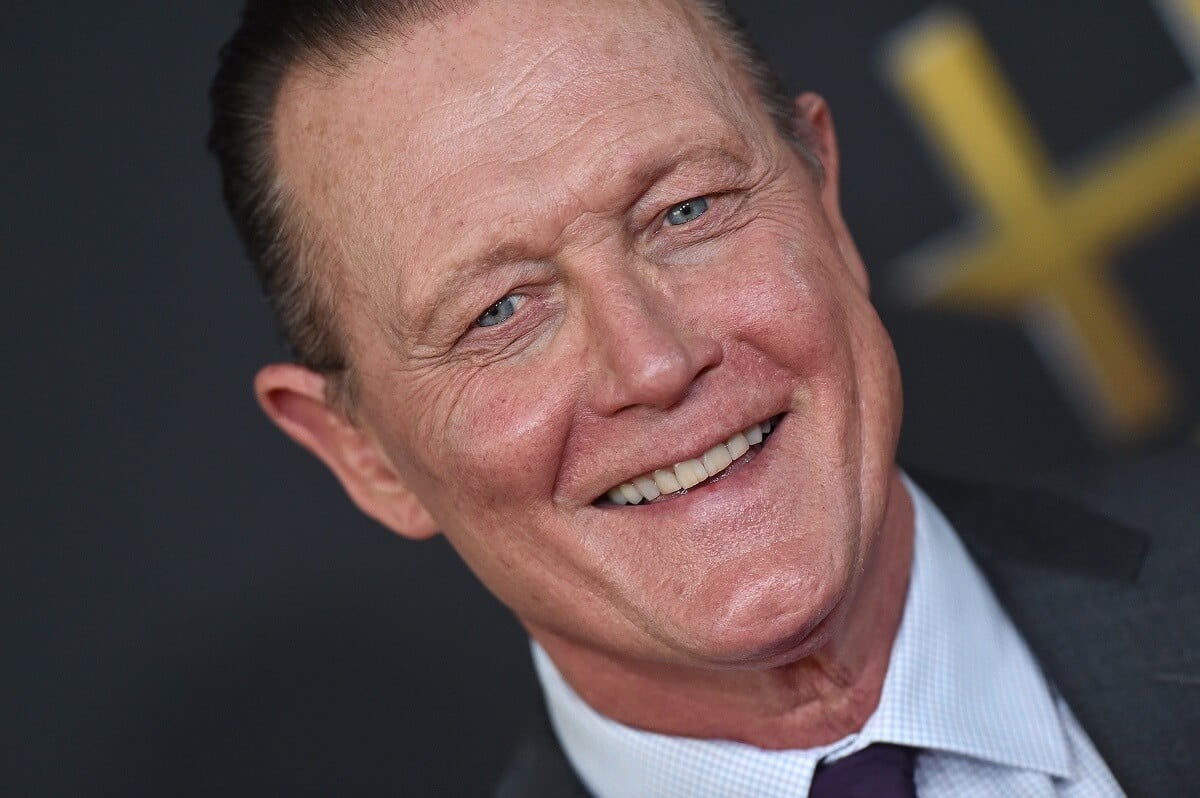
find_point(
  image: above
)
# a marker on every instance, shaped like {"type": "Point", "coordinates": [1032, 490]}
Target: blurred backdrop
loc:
{"type": "Point", "coordinates": [191, 607]}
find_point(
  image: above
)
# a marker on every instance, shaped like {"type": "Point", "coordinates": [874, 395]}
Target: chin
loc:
{"type": "Point", "coordinates": [766, 621]}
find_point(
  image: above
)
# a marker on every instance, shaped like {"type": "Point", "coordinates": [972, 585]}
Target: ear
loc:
{"type": "Point", "coordinates": [295, 399]}
{"type": "Point", "coordinates": [814, 125]}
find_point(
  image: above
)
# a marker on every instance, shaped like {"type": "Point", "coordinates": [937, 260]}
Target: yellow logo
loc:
{"type": "Point", "coordinates": [1039, 249]}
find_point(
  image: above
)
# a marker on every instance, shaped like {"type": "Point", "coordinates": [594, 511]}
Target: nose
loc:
{"type": "Point", "coordinates": [647, 356]}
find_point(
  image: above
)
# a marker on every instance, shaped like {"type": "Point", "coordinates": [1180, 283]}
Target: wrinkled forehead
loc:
{"type": "Point", "coordinates": [504, 98]}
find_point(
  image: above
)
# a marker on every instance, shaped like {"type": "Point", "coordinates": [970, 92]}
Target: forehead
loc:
{"type": "Point", "coordinates": [468, 122]}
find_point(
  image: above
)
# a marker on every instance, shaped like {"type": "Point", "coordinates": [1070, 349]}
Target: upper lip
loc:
{"type": "Point", "coordinates": [662, 447]}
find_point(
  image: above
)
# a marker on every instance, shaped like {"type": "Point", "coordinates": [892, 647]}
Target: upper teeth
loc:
{"type": "Point", "coordinates": [689, 473]}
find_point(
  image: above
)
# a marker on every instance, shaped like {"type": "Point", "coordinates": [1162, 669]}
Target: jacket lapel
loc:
{"type": "Point", "coordinates": [1111, 618]}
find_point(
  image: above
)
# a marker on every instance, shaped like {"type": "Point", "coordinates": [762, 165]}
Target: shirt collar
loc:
{"type": "Point", "coordinates": [957, 664]}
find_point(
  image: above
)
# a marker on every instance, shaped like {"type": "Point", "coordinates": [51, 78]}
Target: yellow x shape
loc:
{"type": "Point", "coordinates": [1041, 253]}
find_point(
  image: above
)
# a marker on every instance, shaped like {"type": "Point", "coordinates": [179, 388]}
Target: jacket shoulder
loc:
{"type": "Point", "coordinates": [1157, 494]}
{"type": "Point", "coordinates": [539, 768]}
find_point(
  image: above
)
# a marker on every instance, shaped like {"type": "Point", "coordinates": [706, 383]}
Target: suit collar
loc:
{"type": "Point", "coordinates": [1036, 528]}
{"type": "Point", "coordinates": [1088, 594]}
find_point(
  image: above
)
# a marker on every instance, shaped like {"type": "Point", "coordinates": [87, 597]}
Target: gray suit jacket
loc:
{"type": "Point", "coordinates": [1101, 573]}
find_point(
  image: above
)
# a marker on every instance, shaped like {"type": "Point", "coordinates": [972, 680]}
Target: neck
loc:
{"type": "Point", "coordinates": [809, 701]}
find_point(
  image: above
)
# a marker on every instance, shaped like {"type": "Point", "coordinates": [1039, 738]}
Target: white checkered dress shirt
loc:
{"type": "Point", "coordinates": [961, 686]}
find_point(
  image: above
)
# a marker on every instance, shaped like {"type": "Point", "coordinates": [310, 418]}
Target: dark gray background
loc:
{"type": "Point", "coordinates": [190, 605]}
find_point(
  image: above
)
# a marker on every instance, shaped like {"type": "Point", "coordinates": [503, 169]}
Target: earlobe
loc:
{"type": "Point", "coordinates": [294, 398]}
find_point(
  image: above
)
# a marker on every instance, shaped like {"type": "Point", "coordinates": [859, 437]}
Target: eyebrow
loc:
{"type": "Point", "coordinates": [470, 269]}
{"type": "Point", "coordinates": [643, 177]}
{"type": "Point", "coordinates": [634, 184]}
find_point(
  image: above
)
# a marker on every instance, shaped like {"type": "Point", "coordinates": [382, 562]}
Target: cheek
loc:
{"type": "Point", "coordinates": [787, 297]}
{"type": "Point", "coordinates": [492, 436]}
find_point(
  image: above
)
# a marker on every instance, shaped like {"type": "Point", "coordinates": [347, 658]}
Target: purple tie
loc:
{"type": "Point", "coordinates": [878, 771]}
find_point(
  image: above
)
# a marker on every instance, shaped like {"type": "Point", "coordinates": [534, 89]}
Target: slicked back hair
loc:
{"type": "Point", "coordinates": [278, 36]}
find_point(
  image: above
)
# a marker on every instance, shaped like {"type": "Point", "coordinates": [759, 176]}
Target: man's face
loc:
{"type": "Point", "coordinates": [573, 251]}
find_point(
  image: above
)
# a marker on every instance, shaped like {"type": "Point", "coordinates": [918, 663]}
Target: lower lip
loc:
{"type": "Point", "coordinates": [732, 477]}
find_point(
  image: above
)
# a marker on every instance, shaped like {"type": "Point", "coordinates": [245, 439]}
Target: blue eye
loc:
{"type": "Point", "coordinates": [686, 212]}
{"type": "Point", "coordinates": [500, 312]}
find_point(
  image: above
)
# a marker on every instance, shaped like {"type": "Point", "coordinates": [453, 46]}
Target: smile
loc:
{"type": "Point", "coordinates": [676, 480]}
